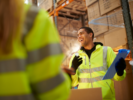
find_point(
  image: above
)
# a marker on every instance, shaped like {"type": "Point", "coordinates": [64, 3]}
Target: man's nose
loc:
{"type": "Point", "coordinates": [79, 36]}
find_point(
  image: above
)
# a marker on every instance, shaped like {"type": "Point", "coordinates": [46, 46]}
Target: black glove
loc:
{"type": "Point", "coordinates": [76, 62]}
{"type": "Point", "coordinates": [120, 66]}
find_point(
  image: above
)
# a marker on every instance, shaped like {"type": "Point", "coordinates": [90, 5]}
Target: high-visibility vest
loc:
{"type": "Point", "coordinates": [91, 71]}
{"type": "Point", "coordinates": [32, 70]}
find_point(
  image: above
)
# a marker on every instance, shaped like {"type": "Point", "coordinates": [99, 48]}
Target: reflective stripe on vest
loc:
{"type": "Point", "coordinates": [12, 65]}
{"type": "Point", "coordinates": [48, 50]}
{"type": "Point", "coordinates": [103, 68]}
{"type": "Point", "coordinates": [92, 70]}
{"type": "Point", "coordinates": [49, 84]}
{"type": "Point", "coordinates": [29, 20]}
{"type": "Point", "coordinates": [89, 80]}
{"type": "Point", "coordinates": [17, 97]}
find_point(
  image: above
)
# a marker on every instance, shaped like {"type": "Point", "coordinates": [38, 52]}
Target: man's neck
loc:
{"type": "Point", "coordinates": [89, 46]}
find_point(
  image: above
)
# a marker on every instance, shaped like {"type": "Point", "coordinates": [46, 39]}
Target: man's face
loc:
{"type": "Point", "coordinates": [84, 38]}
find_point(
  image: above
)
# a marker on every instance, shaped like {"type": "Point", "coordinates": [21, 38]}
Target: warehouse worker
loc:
{"type": "Point", "coordinates": [91, 64]}
{"type": "Point", "coordinates": [30, 55]}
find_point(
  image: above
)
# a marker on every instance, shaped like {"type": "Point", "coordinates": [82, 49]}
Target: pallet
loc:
{"type": "Point", "coordinates": [68, 14]}
{"type": "Point", "coordinates": [79, 5]}
{"type": "Point", "coordinates": [71, 12]}
{"type": "Point", "coordinates": [61, 2]}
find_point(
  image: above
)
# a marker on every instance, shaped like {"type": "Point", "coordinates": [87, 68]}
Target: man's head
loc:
{"type": "Point", "coordinates": [85, 36]}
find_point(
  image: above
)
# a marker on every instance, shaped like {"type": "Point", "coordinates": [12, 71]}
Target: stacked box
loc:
{"type": "Point", "coordinates": [108, 5]}
{"type": "Point", "coordinates": [115, 37]}
{"type": "Point", "coordinates": [115, 18]}
{"type": "Point", "coordinates": [96, 20]}
{"type": "Point", "coordinates": [89, 2]}
{"type": "Point", "coordinates": [45, 4]}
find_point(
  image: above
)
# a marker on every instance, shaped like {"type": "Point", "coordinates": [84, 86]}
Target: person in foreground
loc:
{"type": "Point", "coordinates": [30, 55]}
{"type": "Point", "coordinates": [92, 63]}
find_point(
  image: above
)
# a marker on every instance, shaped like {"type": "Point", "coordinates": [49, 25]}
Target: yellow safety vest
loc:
{"type": "Point", "coordinates": [91, 71]}
{"type": "Point", "coordinates": [32, 69]}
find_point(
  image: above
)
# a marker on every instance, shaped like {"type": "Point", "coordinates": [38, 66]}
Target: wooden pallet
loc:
{"type": "Point", "coordinates": [78, 5]}
{"type": "Point", "coordinates": [68, 14]}
{"type": "Point", "coordinates": [61, 2]}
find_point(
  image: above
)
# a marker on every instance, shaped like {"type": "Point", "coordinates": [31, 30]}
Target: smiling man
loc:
{"type": "Point", "coordinates": [91, 64]}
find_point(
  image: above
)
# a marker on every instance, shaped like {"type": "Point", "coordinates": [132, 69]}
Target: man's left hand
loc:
{"type": "Point", "coordinates": [120, 66]}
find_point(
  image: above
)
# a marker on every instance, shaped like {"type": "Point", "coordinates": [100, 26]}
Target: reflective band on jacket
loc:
{"type": "Point", "coordinates": [49, 84]}
{"type": "Point", "coordinates": [17, 97]}
{"type": "Point", "coordinates": [92, 70]}
{"type": "Point", "coordinates": [48, 50]}
{"type": "Point", "coordinates": [89, 80]}
{"type": "Point", "coordinates": [29, 20]}
{"type": "Point", "coordinates": [12, 65]}
{"type": "Point", "coordinates": [105, 58]}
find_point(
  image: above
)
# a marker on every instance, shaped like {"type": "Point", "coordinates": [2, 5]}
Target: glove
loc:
{"type": "Point", "coordinates": [120, 66]}
{"type": "Point", "coordinates": [76, 62]}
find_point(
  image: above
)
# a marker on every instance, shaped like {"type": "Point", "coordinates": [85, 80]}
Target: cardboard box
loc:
{"type": "Point", "coordinates": [99, 26]}
{"type": "Point", "coordinates": [89, 2]}
{"type": "Point", "coordinates": [86, 94]}
{"type": "Point", "coordinates": [100, 39]}
{"type": "Point", "coordinates": [115, 18]}
{"type": "Point", "coordinates": [115, 37]}
{"type": "Point", "coordinates": [124, 89]}
{"type": "Point", "coordinates": [61, 22]}
{"type": "Point", "coordinates": [93, 11]}
{"type": "Point", "coordinates": [108, 5]}
{"type": "Point", "coordinates": [45, 4]}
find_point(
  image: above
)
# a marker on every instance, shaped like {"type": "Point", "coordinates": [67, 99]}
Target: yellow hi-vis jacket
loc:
{"type": "Point", "coordinates": [32, 70]}
{"type": "Point", "coordinates": [91, 71]}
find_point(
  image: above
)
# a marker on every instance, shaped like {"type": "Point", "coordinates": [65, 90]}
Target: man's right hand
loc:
{"type": "Point", "coordinates": [76, 62]}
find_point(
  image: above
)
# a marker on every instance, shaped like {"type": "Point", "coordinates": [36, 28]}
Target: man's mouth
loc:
{"type": "Point", "coordinates": [80, 40]}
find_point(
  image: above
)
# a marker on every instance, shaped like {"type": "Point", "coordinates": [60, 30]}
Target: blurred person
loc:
{"type": "Point", "coordinates": [30, 55]}
{"type": "Point", "coordinates": [91, 63]}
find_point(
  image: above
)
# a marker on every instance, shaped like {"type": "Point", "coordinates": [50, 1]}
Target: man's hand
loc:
{"type": "Point", "coordinates": [76, 62]}
{"type": "Point", "coordinates": [120, 66]}
{"type": "Point", "coordinates": [68, 71]}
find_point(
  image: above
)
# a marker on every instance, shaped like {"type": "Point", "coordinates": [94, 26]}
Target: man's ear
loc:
{"type": "Point", "coordinates": [91, 34]}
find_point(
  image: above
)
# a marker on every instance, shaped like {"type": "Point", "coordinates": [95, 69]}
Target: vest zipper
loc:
{"type": "Point", "coordinates": [90, 73]}
{"type": "Point", "coordinates": [109, 87]}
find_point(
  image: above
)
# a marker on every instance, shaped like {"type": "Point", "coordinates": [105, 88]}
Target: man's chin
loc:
{"type": "Point", "coordinates": [82, 45]}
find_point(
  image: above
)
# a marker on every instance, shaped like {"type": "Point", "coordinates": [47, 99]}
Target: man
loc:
{"type": "Point", "coordinates": [92, 63]}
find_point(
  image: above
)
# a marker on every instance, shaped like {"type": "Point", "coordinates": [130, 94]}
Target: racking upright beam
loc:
{"type": "Point", "coordinates": [128, 25]}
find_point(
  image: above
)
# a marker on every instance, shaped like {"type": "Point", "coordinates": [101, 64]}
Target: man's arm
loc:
{"type": "Point", "coordinates": [110, 58]}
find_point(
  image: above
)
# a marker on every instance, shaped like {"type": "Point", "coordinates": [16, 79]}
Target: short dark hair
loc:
{"type": "Point", "coordinates": [88, 30]}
